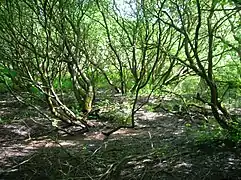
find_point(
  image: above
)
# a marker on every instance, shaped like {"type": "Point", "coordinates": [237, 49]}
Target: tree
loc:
{"type": "Point", "coordinates": [198, 23]}
{"type": "Point", "coordinates": [45, 42]}
{"type": "Point", "coordinates": [138, 41]}
{"type": "Point", "coordinates": [151, 45]}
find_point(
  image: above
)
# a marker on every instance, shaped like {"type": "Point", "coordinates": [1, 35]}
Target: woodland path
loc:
{"type": "Point", "coordinates": [160, 147]}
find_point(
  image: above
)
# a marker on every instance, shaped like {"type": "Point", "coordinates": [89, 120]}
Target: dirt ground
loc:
{"type": "Point", "coordinates": [161, 146]}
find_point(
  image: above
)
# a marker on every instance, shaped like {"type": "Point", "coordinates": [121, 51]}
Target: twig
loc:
{"type": "Point", "coordinates": [150, 137]}
{"type": "Point", "coordinates": [16, 166]}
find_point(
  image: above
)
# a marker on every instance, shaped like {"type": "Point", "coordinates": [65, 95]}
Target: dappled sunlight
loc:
{"type": "Point", "coordinates": [28, 147]}
{"type": "Point", "coordinates": [159, 145]}
{"type": "Point", "coordinates": [178, 132]}
{"type": "Point", "coordinates": [149, 116]}
{"type": "Point", "coordinates": [183, 164]}
{"type": "Point", "coordinates": [95, 136]}
{"type": "Point", "coordinates": [18, 129]}
{"type": "Point", "coordinates": [127, 132]}
{"type": "Point", "coordinates": [7, 102]}
{"type": "Point", "coordinates": [5, 112]}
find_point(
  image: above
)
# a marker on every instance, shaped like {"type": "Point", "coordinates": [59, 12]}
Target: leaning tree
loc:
{"type": "Point", "coordinates": [201, 23]}
{"type": "Point", "coordinates": [44, 43]}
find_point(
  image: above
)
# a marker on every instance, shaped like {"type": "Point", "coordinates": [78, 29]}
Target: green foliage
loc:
{"type": "Point", "coordinates": [7, 72]}
{"type": "Point", "coordinates": [206, 132]}
{"type": "Point", "coordinates": [150, 108]}
{"type": "Point", "coordinates": [211, 131]}
{"type": "Point", "coordinates": [76, 108]}
{"type": "Point", "coordinates": [5, 120]}
{"type": "Point", "coordinates": [72, 46]}
{"type": "Point", "coordinates": [186, 52]}
{"type": "Point", "coordinates": [117, 112]}
{"type": "Point", "coordinates": [3, 88]}
{"type": "Point", "coordinates": [189, 85]}
{"type": "Point", "coordinates": [235, 137]}
{"type": "Point", "coordinates": [65, 84]}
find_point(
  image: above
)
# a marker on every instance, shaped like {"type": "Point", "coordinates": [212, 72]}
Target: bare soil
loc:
{"type": "Point", "coordinates": [161, 146]}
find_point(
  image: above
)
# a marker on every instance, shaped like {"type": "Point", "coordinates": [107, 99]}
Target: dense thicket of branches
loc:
{"type": "Point", "coordinates": [144, 47]}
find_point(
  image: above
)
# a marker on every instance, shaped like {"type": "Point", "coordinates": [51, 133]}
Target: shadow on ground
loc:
{"type": "Point", "coordinates": [160, 147]}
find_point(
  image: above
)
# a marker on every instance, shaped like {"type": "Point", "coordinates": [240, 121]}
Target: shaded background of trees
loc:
{"type": "Point", "coordinates": [53, 50]}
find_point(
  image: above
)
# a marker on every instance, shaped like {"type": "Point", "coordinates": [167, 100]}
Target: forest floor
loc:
{"type": "Point", "coordinates": [161, 146]}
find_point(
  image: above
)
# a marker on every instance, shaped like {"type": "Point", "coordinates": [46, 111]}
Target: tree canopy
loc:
{"type": "Point", "coordinates": [54, 49]}
{"type": "Point", "coordinates": [78, 63]}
